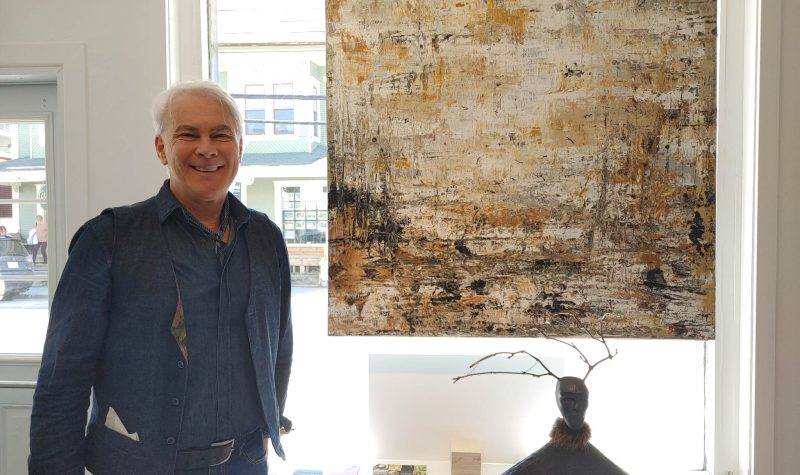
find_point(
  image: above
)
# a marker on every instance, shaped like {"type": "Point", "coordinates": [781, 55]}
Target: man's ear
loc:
{"type": "Point", "coordinates": [162, 156]}
{"type": "Point", "coordinates": [241, 150]}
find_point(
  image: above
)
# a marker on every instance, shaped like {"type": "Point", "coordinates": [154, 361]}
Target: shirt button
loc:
{"type": "Point", "coordinates": [175, 401]}
{"type": "Point", "coordinates": [180, 364]}
{"type": "Point", "coordinates": [170, 440]}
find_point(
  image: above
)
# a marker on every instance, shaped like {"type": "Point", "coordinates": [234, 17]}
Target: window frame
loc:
{"type": "Point", "coordinates": [749, 45]}
{"type": "Point", "coordinates": [68, 206]}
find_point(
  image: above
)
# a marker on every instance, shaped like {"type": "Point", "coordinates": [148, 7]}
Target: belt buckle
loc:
{"type": "Point", "coordinates": [222, 444]}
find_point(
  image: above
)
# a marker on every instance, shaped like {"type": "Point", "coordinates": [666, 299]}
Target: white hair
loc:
{"type": "Point", "coordinates": [209, 89]}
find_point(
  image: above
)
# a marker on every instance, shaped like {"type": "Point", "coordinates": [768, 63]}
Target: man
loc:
{"type": "Point", "coordinates": [175, 313]}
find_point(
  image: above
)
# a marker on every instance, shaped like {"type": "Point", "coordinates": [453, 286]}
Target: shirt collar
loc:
{"type": "Point", "coordinates": [168, 204]}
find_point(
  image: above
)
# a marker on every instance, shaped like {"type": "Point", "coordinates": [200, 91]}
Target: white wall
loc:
{"type": "Point", "coordinates": [787, 349]}
{"type": "Point", "coordinates": [112, 58]}
{"type": "Point", "coordinates": [126, 62]}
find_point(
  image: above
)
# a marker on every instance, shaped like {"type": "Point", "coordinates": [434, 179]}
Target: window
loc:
{"type": "Point", "coordinates": [267, 49]}
{"type": "Point", "coordinates": [315, 113]}
{"type": "Point", "coordinates": [254, 110]}
{"type": "Point", "coordinates": [305, 214]}
{"type": "Point", "coordinates": [6, 142]}
{"type": "Point", "coordinates": [283, 109]}
{"type": "Point", "coordinates": [379, 391]}
{"type": "Point", "coordinates": [23, 223]}
{"type": "Point", "coordinates": [6, 194]}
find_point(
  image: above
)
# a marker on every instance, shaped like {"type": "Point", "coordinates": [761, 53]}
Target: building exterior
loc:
{"type": "Point", "coordinates": [277, 76]}
{"type": "Point", "coordinates": [23, 188]}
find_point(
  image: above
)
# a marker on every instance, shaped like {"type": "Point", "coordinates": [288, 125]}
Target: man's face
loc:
{"type": "Point", "coordinates": [573, 400]}
{"type": "Point", "coordinates": [200, 149]}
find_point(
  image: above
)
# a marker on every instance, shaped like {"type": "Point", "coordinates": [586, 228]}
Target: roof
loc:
{"type": "Point", "coordinates": [283, 152]}
{"type": "Point", "coordinates": [22, 164]}
{"type": "Point", "coordinates": [276, 153]}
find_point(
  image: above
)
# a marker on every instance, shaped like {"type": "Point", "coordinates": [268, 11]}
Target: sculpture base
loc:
{"type": "Point", "coordinates": [567, 453]}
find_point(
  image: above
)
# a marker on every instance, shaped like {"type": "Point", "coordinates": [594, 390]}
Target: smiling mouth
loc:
{"type": "Point", "coordinates": [207, 169]}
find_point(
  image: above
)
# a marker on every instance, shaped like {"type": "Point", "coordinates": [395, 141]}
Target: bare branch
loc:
{"type": "Point", "coordinates": [572, 345]}
{"type": "Point", "coordinates": [592, 366]}
{"type": "Point", "coordinates": [508, 355]}
{"type": "Point", "coordinates": [602, 339]}
{"type": "Point", "coordinates": [517, 373]}
{"type": "Point", "coordinates": [598, 337]}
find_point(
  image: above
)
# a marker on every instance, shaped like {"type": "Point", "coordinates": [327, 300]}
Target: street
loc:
{"type": "Point", "coordinates": [33, 298]}
{"type": "Point", "coordinates": [23, 318]}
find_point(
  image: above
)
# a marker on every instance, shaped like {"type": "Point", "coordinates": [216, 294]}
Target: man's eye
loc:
{"type": "Point", "coordinates": [222, 137]}
{"type": "Point", "coordinates": [185, 135]}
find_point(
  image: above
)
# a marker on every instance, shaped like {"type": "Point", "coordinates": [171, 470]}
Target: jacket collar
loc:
{"type": "Point", "coordinates": [168, 204]}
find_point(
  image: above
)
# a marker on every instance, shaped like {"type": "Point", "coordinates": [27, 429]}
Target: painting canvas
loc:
{"type": "Point", "coordinates": [496, 166]}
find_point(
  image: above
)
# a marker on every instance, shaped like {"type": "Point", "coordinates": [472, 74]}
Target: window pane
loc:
{"type": "Point", "coordinates": [23, 236]}
{"type": "Point", "coordinates": [5, 208]}
{"type": "Point", "coordinates": [255, 128]}
{"type": "Point", "coordinates": [284, 114]}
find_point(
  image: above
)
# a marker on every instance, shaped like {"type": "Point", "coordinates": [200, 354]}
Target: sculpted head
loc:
{"type": "Point", "coordinates": [572, 396]}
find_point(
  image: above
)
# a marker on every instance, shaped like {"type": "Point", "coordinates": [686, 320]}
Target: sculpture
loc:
{"type": "Point", "coordinates": [569, 451]}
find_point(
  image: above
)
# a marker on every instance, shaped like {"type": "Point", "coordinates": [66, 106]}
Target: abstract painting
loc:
{"type": "Point", "coordinates": [500, 165]}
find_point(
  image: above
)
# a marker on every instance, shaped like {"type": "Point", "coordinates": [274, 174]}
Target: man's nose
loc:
{"type": "Point", "coordinates": [206, 147]}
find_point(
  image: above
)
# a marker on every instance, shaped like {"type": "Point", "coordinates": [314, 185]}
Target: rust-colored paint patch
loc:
{"type": "Point", "coordinates": [516, 19]}
{"type": "Point", "coordinates": [504, 217]}
{"type": "Point", "coordinates": [332, 10]}
{"type": "Point", "coordinates": [496, 165]}
{"type": "Point", "coordinates": [357, 54]}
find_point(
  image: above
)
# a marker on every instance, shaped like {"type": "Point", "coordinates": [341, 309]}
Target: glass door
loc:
{"type": "Point", "coordinates": [24, 144]}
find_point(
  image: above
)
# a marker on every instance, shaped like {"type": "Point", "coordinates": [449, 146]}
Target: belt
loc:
{"type": "Point", "coordinates": [215, 454]}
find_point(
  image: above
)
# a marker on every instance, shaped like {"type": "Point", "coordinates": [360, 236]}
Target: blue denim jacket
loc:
{"type": "Point", "coordinates": [110, 335]}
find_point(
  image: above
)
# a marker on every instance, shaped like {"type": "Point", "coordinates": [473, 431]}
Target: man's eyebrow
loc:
{"type": "Point", "coordinates": [185, 128]}
{"type": "Point", "coordinates": [222, 128]}
{"type": "Point", "coordinates": [189, 128]}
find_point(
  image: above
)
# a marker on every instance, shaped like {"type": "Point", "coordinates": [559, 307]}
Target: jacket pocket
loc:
{"type": "Point", "coordinates": [111, 453]}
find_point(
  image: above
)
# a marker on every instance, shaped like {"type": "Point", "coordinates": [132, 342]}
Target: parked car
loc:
{"type": "Point", "coordinates": [15, 265]}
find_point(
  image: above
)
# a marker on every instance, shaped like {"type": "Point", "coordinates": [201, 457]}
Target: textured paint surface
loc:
{"type": "Point", "coordinates": [495, 165]}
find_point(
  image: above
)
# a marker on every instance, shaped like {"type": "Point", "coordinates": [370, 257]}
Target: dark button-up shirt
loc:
{"type": "Point", "coordinates": [214, 285]}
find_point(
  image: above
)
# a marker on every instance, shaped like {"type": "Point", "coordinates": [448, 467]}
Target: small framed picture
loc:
{"type": "Point", "coordinates": [311, 225]}
{"type": "Point", "coordinates": [288, 215]}
{"type": "Point", "coordinates": [311, 215]}
{"type": "Point", "coordinates": [322, 215]}
{"type": "Point", "coordinates": [322, 224]}
{"type": "Point", "coordinates": [300, 215]}
{"type": "Point", "coordinates": [288, 225]}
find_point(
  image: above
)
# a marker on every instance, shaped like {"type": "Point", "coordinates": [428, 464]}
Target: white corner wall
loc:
{"type": "Point", "coordinates": [787, 347]}
{"type": "Point", "coordinates": [126, 65]}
